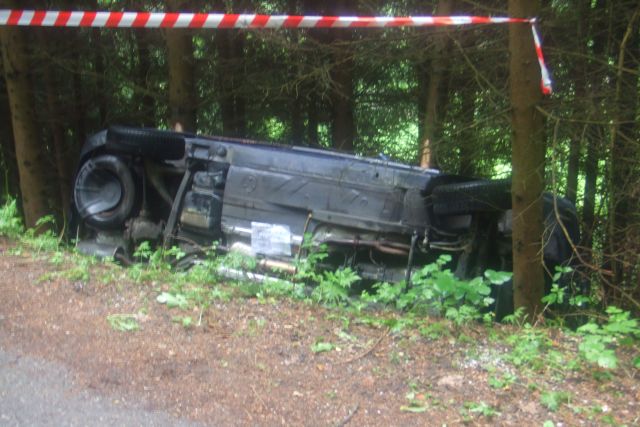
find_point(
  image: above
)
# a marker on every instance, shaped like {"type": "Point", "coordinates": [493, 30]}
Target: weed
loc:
{"type": "Point", "coordinates": [321, 346]}
{"type": "Point", "coordinates": [10, 222]}
{"type": "Point", "coordinates": [123, 322]}
{"type": "Point", "coordinates": [417, 403]}
{"type": "Point", "coordinates": [185, 321]}
{"type": "Point", "coordinates": [517, 318]}
{"type": "Point", "coordinates": [553, 399]}
{"type": "Point", "coordinates": [333, 286]}
{"type": "Point", "coordinates": [173, 300]}
{"type": "Point", "coordinates": [307, 266]}
{"type": "Point", "coordinates": [503, 382]}
{"type": "Point", "coordinates": [527, 347]}
{"type": "Point", "coordinates": [331, 394]}
{"type": "Point", "coordinates": [481, 408]}
{"type": "Point", "coordinates": [437, 290]}
{"type": "Point", "coordinates": [599, 341]}
{"type": "Point", "coordinates": [434, 330]}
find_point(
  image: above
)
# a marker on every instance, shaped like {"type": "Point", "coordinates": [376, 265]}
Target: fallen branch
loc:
{"type": "Point", "coordinates": [349, 416]}
{"type": "Point", "coordinates": [369, 350]}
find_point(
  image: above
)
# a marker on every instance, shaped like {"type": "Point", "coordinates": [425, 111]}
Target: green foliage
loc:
{"type": "Point", "coordinates": [600, 340]}
{"type": "Point", "coordinates": [307, 266]}
{"type": "Point", "coordinates": [528, 346]}
{"type": "Point", "coordinates": [481, 408]}
{"type": "Point", "coordinates": [435, 289]}
{"type": "Point", "coordinates": [123, 322]}
{"type": "Point", "coordinates": [518, 317]}
{"type": "Point", "coordinates": [173, 300]}
{"type": "Point", "coordinates": [321, 346]}
{"type": "Point", "coordinates": [502, 382]}
{"type": "Point", "coordinates": [10, 222]}
{"type": "Point", "coordinates": [417, 403]}
{"type": "Point", "coordinates": [185, 321]}
{"type": "Point", "coordinates": [553, 399]}
{"type": "Point", "coordinates": [333, 287]}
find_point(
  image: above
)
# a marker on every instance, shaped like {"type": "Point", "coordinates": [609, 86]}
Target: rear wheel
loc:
{"type": "Point", "coordinates": [104, 192]}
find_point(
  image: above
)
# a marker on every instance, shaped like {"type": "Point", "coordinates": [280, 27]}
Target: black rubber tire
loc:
{"type": "Point", "coordinates": [150, 143]}
{"type": "Point", "coordinates": [104, 192]}
{"type": "Point", "coordinates": [473, 196]}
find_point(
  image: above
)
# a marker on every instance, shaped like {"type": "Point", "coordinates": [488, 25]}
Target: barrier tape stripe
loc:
{"type": "Point", "coordinates": [545, 79]}
{"type": "Point", "coordinates": [42, 18]}
{"type": "Point", "coordinates": [217, 20]}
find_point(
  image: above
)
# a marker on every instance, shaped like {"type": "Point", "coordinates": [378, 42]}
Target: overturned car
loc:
{"type": "Point", "coordinates": [378, 217]}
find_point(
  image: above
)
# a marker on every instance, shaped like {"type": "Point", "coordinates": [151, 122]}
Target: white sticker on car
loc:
{"type": "Point", "coordinates": [270, 239]}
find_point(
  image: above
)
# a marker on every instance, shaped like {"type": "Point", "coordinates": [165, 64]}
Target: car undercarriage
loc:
{"type": "Point", "coordinates": [378, 217]}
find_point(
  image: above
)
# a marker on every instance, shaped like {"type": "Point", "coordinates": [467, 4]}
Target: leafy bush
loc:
{"type": "Point", "coordinates": [598, 341]}
{"type": "Point", "coordinates": [435, 289]}
{"type": "Point", "coordinates": [333, 287]}
{"type": "Point", "coordinates": [10, 222]}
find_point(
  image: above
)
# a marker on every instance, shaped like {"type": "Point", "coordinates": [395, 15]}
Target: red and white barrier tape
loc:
{"type": "Point", "coordinates": [45, 18]}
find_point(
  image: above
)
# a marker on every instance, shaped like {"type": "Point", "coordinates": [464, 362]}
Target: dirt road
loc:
{"type": "Point", "coordinates": [251, 362]}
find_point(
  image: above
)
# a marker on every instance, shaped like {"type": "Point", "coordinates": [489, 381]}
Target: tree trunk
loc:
{"type": "Point", "coordinates": [182, 96]}
{"type": "Point", "coordinates": [145, 102]}
{"type": "Point", "coordinates": [342, 117]}
{"type": "Point", "coordinates": [28, 144]}
{"type": "Point", "coordinates": [312, 119]}
{"type": "Point", "coordinates": [468, 137]}
{"type": "Point", "coordinates": [435, 91]}
{"type": "Point", "coordinates": [230, 72]}
{"type": "Point", "coordinates": [624, 157]}
{"type": "Point", "coordinates": [589, 202]}
{"type": "Point", "coordinates": [528, 154]}
{"type": "Point", "coordinates": [49, 42]}
{"type": "Point", "coordinates": [8, 172]}
{"type": "Point", "coordinates": [573, 168]}
{"type": "Point", "coordinates": [343, 129]}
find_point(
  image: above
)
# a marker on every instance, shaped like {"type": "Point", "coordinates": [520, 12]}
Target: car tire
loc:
{"type": "Point", "coordinates": [104, 192]}
{"type": "Point", "coordinates": [150, 143]}
{"type": "Point", "coordinates": [473, 196]}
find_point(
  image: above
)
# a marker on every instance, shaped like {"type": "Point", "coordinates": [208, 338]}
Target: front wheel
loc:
{"type": "Point", "coordinates": [150, 143]}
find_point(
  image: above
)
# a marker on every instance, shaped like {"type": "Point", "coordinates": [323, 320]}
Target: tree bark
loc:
{"type": "Point", "coordinates": [343, 128]}
{"type": "Point", "coordinates": [230, 72]}
{"type": "Point", "coordinates": [55, 120]}
{"type": "Point", "coordinates": [589, 202]}
{"type": "Point", "coordinates": [468, 137]}
{"type": "Point", "coordinates": [573, 168]}
{"type": "Point", "coordinates": [624, 157]}
{"type": "Point", "coordinates": [28, 144]}
{"type": "Point", "coordinates": [528, 155]}
{"type": "Point", "coordinates": [435, 91]}
{"type": "Point", "coordinates": [145, 102]}
{"type": "Point", "coordinates": [182, 96]}
{"type": "Point", "coordinates": [8, 171]}
{"type": "Point", "coordinates": [312, 119]}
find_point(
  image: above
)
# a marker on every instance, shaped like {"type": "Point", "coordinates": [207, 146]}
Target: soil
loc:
{"type": "Point", "coordinates": [250, 362]}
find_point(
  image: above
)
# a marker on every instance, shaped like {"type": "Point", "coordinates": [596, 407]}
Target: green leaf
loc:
{"type": "Point", "coordinates": [123, 322]}
{"type": "Point", "coordinates": [497, 277]}
{"type": "Point", "coordinates": [413, 409]}
{"type": "Point", "coordinates": [589, 328]}
{"type": "Point", "coordinates": [607, 359]}
{"type": "Point", "coordinates": [171, 300]}
{"type": "Point", "coordinates": [553, 399]}
{"type": "Point", "coordinates": [321, 347]}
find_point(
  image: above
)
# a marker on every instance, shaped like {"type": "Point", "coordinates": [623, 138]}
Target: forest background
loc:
{"type": "Point", "coordinates": [439, 97]}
